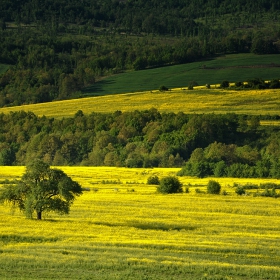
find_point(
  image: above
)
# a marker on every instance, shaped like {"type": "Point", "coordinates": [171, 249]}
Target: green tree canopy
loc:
{"type": "Point", "coordinates": [170, 184]}
{"type": "Point", "coordinates": [42, 189]}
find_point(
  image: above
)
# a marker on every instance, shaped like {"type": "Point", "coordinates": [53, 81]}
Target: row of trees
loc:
{"type": "Point", "coordinates": [138, 15]}
{"type": "Point", "coordinates": [256, 83]}
{"type": "Point", "coordinates": [222, 160]}
{"type": "Point", "coordinates": [215, 143]}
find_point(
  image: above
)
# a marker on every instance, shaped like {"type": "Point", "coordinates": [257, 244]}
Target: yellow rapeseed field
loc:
{"type": "Point", "coordinates": [175, 100]}
{"type": "Point", "coordinates": [120, 228]}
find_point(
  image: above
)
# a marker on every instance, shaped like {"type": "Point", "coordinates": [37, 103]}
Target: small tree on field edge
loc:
{"type": "Point", "coordinates": [170, 184]}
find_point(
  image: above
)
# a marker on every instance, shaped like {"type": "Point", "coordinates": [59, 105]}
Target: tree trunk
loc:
{"type": "Point", "coordinates": [39, 215]}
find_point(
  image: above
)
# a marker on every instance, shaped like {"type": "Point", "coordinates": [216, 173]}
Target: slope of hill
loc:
{"type": "Point", "coordinates": [201, 101]}
{"type": "Point", "coordinates": [233, 67]}
{"type": "Point", "coordinates": [58, 48]}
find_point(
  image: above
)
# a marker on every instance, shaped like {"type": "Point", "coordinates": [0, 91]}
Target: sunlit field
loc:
{"type": "Point", "coordinates": [120, 228]}
{"type": "Point", "coordinates": [199, 100]}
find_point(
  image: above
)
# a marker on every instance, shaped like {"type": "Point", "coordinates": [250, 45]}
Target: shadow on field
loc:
{"type": "Point", "coordinates": [14, 238]}
{"type": "Point", "coordinates": [97, 89]}
{"type": "Point", "coordinates": [148, 226]}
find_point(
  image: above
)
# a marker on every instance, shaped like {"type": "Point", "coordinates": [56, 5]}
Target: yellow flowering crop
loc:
{"type": "Point", "coordinates": [120, 228]}
{"type": "Point", "coordinates": [175, 100]}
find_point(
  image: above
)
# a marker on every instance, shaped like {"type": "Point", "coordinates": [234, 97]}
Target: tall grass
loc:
{"type": "Point", "coordinates": [142, 234]}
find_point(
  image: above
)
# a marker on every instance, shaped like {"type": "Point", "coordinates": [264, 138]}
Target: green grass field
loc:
{"type": "Point", "coordinates": [234, 67]}
{"type": "Point", "coordinates": [123, 229]}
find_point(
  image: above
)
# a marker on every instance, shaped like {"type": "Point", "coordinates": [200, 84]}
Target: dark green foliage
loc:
{"type": "Point", "coordinates": [153, 180]}
{"type": "Point", "coordinates": [239, 84]}
{"type": "Point", "coordinates": [170, 184]}
{"type": "Point", "coordinates": [192, 84]}
{"type": "Point", "coordinates": [274, 84]}
{"type": "Point", "coordinates": [257, 83]}
{"type": "Point", "coordinates": [270, 186]}
{"type": "Point", "coordinates": [268, 193]}
{"type": "Point", "coordinates": [59, 50]}
{"type": "Point", "coordinates": [240, 190]}
{"type": "Point", "coordinates": [225, 84]}
{"type": "Point", "coordinates": [205, 145]}
{"type": "Point", "coordinates": [163, 88]}
{"type": "Point", "coordinates": [42, 189]}
{"type": "Point", "coordinates": [213, 187]}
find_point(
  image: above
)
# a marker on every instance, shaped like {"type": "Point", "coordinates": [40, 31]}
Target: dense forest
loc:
{"type": "Point", "coordinates": [57, 48]}
{"type": "Point", "coordinates": [221, 145]}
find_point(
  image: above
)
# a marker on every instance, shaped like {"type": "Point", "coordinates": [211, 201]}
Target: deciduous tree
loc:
{"type": "Point", "coordinates": [42, 189]}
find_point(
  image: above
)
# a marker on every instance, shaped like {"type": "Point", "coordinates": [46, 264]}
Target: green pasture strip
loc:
{"type": "Point", "coordinates": [234, 68]}
{"type": "Point", "coordinates": [142, 234]}
{"type": "Point", "coordinates": [201, 101]}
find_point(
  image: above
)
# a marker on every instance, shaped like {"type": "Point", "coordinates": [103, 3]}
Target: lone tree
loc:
{"type": "Point", "coordinates": [42, 189]}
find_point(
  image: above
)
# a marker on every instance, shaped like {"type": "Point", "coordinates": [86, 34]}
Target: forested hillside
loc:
{"type": "Point", "coordinates": [57, 48]}
{"type": "Point", "coordinates": [222, 145]}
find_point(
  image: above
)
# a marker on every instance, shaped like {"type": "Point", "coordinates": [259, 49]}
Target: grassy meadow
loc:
{"type": "Point", "coordinates": [122, 229]}
{"type": "Point", "coordinates": [176, 100]}
{"type": "Point", "coordinates": [232, 67]}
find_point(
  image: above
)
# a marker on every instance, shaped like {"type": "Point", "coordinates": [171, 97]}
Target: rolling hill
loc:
{"type": "Point", "coordinates": [233, 67]}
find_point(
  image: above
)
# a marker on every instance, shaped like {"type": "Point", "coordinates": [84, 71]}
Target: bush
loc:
{"type": "Point", "coordinates": [192, 84]}
{"type": "Point", "coordinates": [269, 193]}
{"type": "Point", "coordinates": [199, 191]}
{"type": "Point", "coordinates": [153, 180]}
{"type": "Point", "coordinates": [163, 88]}
{"type": "Point", "coordinates": [170, 184]}
{"type": "Point", "coordinates": [240, 190]}
{"type": "Point", "coordinates": [225, 84]}
{"type": "Point", "coordinates": [213, 187]}
{"type": "Point", "coordinates": [239, 84]}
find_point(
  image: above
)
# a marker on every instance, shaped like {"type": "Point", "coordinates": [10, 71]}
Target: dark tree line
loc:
{"type": "Point", "coordinates": [207, 144]}
{"type": "Point", "coordinates": [56, 48]}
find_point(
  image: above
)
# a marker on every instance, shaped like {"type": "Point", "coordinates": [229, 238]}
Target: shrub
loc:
{"type": "Point", "coordinates": [199, 191]}
{"type": "Point", "coordinates": [153, 180]}
{"type": "Point", "coordinates": [274, 84]}
{"type": "Point", "coordinates": [192, 84]}
{"type": "Point", "coordinates": [163, 88]}
{"type": "Point", "coordinates": [170, 184]}
{"type": "Point", "coordinates": [225, 84]}
{"type": "Point", "coordinates": [269, 193]}
{"type": "Point", "coordinates": [269, 186]}
{"type": "Point", "coordinates": [213, 187]}
{"type": "Point", "coordinates": [240, 190]}
{"type": "Point", "coordinates": [239, 84]}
